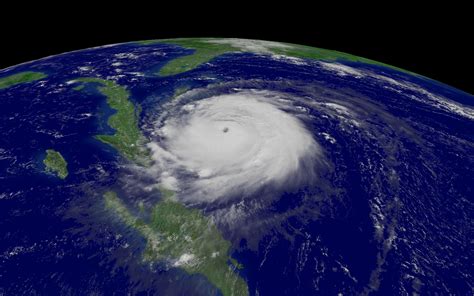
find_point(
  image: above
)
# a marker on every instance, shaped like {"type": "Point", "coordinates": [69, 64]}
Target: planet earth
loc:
{"type": "Point", "coordinates": [212, 166]}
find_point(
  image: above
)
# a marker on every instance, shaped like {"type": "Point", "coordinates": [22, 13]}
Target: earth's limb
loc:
{"type": "Point", "coordinates": [315, 53]}
{"type": "Point", "coordinates": [208, 48]}
{"type": "Point", "coordinates": [127, 138]}
{"type": "Point", "coordinates": [272, 169]}
{"type": "Point", "coordinates": [56, 163]}
{"type": "Point", "coordinates": [19, 78]}
{"type": "Point", "coordinates": [186, 239]}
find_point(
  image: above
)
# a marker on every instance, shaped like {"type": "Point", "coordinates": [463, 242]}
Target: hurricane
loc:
{"type": "Point", "coordinates": [233, 144]}
{"type": "Point", "coordinates": [210, 166]}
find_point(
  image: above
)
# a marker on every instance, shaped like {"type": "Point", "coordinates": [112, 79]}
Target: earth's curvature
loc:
{"type": "Point", "coordinates": [232, 167]}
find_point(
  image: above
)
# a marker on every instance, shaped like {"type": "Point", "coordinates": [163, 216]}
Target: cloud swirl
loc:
{"type": "Point", "coordinates": [232, 144]}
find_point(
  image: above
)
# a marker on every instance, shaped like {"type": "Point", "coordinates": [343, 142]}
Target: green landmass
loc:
{"type": "Point", "coordinates": [205, 50]}
{"type": "Point", "coordinates": [203, 53]}
{"type": "Point", "coordinates": [308, 52]}
{"type": "Point", "coordinates": [56, 163]}
{"type": "Point", "coordinates": [79, 87]}
{"type": "Point", "coordinates": [127, 139]}
{"type": "Point", "coordinates": [185, 238]}
{"type": "Point", "coordinates": [22, 77]}
{"type": "Point", "coordinates": [180, 90]}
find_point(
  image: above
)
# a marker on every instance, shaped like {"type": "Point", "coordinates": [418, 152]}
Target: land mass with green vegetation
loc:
{"type": "Point", "coordinates": [127, 139]}
{"type": "Point", "coordinates": [56, 163]}
{"type": "Point", "coordinates": [180, 90]}
{"type": "Point", "coordinates": [19, 78]}
{"type": "Point", "coordinates": [184, 238]}
{"type": "Point", "coordinates": [203, 53]}
{"type": "Point", "coordinates": [205, 49]}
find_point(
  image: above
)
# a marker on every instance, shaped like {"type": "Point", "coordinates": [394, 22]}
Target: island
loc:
{"type": "Point", "coordinates": [127, 138]}
{"type": "Point", "coordinates": [55, 163]}
{"type": "Point", "coordinates": [19, 78]}
{"type": "Point", "coordinates": [175, 234]}
{"type": "Point", "coordinates": [186, 239]}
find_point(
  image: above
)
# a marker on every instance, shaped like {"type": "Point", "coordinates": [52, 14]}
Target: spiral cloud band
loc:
{"type": "Point", "coordinates": [232, 143]}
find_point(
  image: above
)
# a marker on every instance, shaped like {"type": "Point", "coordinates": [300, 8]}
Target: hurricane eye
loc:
{"type": "Point", "coordinates": [266, 145]}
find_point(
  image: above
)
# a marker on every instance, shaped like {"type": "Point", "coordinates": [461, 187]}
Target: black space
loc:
{"type": "Point", "coordinates": [437, 46]}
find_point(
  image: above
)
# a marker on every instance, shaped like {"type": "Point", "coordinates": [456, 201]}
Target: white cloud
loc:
{"type": "Point", "coordinates": [232, 143]}
{"type": "Point", "coordinates": [185, 259]}
{"type": "Point", "coordinates": [255, 46]}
